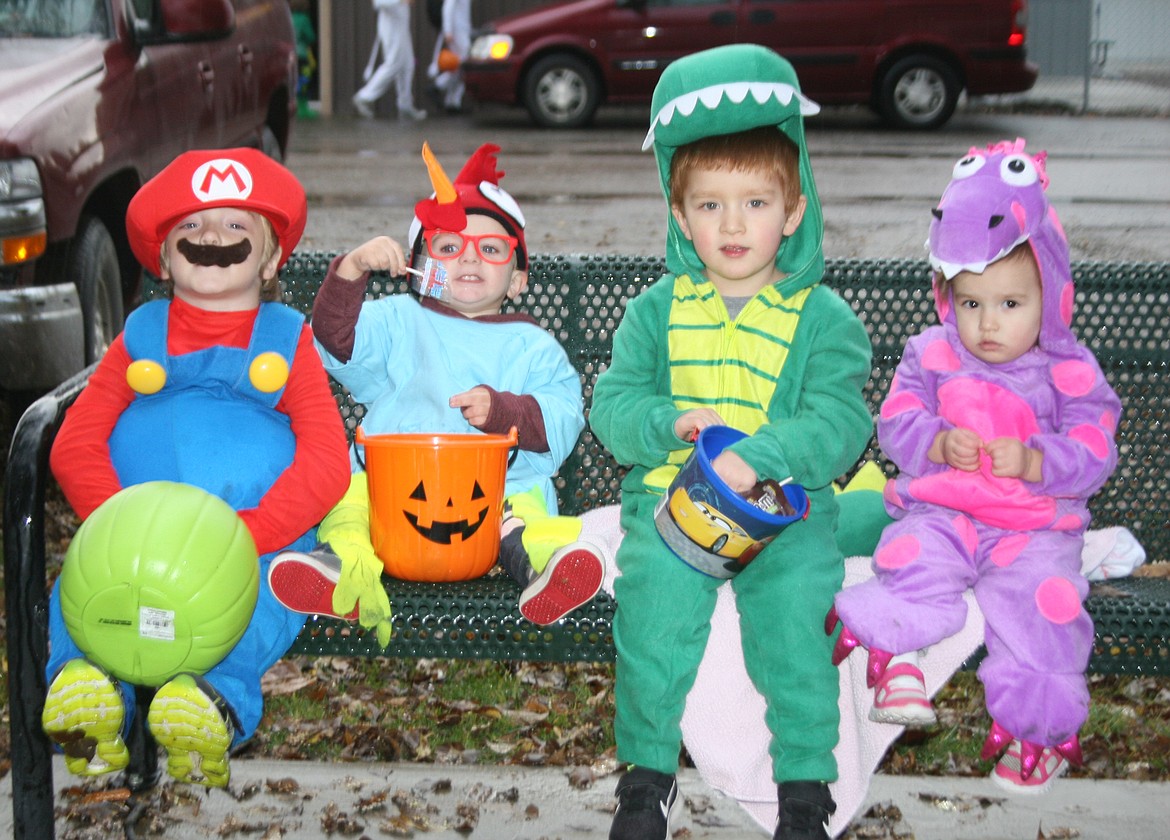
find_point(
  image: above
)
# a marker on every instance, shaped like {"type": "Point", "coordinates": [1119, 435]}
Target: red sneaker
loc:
{"type": "Point", "coordinates": [571, 578]}
{"type": "Point", "coordinates": [304, 583]}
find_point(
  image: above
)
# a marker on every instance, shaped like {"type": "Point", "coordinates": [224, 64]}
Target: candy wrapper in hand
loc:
{"type": "Point", "coordinates": [768, 496]}
{"type": "Point", "coordinates": [431, 280]}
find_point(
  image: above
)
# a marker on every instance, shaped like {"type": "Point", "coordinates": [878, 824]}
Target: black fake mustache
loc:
{"type": "Point", "coordinates": [218, 255]}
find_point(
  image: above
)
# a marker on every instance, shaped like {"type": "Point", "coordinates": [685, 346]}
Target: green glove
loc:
{"type": "Point", "coordinates": [347, 530]}
{"type": "Point", "coordinates": [543, 533]}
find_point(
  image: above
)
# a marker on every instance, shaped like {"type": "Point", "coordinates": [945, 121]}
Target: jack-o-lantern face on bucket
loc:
{"type": "Point", "coordinates": [447, 518]}
{"type": "Point", "coordinates": [436, 502]}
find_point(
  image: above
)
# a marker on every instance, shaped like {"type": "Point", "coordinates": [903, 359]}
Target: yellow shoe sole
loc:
{"type": "Point", "coordinates": [187, 724]}
{"type": "Point", "coordinates": [84, 713]}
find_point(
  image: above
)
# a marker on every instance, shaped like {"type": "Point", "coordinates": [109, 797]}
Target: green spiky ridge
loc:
{"type": "Point", "coordinates": [726, 90]}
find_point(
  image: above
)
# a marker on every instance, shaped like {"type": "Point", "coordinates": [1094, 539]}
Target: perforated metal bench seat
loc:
{"type": "Point", "coordinates": [1123, 313]}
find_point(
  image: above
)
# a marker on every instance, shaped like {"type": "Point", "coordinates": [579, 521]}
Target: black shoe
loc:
{"type": "Point", "coordinates": [805, 808]}
{"type": "Point", "coordinates": [644, 802]}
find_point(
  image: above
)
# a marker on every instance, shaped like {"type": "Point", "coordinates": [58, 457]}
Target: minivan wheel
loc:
{"type": "Point", "coordinates": [918, 92]}
{"type": "Point", "coordinates": [93, 264]}
{"type": "Point", "coordinates": [561, 91]}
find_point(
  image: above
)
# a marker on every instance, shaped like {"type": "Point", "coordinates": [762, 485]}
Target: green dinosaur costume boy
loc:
{"type": "Point", "coordinates": [787, 369]}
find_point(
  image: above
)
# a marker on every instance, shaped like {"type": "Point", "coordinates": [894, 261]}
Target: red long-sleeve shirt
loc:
{"type": "Point", "coordinates": [300, 497]}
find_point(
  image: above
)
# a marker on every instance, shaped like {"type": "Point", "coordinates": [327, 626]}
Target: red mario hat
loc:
{"type": "Point", "coordinates": [476, 190]}
{"type": "Point", "coordinates": [201, 180]}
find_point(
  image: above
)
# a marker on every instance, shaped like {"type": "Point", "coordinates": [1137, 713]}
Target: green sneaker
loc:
{"type": "Point", "coordinates": [190, 721]}
{"type": "Point", "coordinates": [84, 713]}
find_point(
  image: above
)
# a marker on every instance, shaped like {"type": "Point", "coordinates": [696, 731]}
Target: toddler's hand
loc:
{"type": "Point", "coordinates": [475, 405]}
{"type": "Point", "coordinates": [735, 471]}
{"type": "Point", "coordinates": [1010, 458]}
{"type": "Point", "coordinates": [690, 423]}
{"type": "Point", "coordinates": [959, 449]}
{"type": "Point", "coordinates": [379, 254]}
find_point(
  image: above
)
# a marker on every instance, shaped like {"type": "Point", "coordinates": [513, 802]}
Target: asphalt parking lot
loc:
{"type": "Point", "coordinates": [594, 190]}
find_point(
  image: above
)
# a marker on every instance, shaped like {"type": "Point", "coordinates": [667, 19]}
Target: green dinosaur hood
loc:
{"type": "Point", "coordinates": [722, 91]}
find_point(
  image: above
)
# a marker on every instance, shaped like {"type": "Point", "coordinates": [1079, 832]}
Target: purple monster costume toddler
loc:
{"type": "Point", "coordinates": [1015, 543]}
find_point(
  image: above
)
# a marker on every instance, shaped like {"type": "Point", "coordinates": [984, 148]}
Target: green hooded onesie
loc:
{"type": "Point", "coordinates": [789, 371]}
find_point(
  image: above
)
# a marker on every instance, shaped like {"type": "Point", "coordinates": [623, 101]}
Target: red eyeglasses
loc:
{"type": "Point", "coordinates": [491, 247]}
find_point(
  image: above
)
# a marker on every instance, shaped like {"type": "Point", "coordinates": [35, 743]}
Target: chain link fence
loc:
{"type": "Point", "coordinates": [1096, 56]}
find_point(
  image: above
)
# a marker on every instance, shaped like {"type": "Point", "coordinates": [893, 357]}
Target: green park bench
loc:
{"type": "Point", "coordinates": [1123, 313]}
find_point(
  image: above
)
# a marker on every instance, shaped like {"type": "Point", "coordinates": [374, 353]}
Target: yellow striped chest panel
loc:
{"type": "Point", "coordinates": [731, 367]}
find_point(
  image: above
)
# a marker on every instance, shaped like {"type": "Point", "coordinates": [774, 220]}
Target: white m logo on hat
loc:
{"type": "Point", "coordinates": [221, 178]}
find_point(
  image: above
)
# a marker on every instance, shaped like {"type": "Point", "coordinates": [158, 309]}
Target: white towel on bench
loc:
{"type": "Point", "coordinates": [723, 725]}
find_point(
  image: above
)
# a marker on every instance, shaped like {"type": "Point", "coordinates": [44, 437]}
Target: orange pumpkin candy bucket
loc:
{"type": "Point", "coordinates": [436, 501]}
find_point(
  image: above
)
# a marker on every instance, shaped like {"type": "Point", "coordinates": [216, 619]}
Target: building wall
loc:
{"type": "Point", "coordinates": [1139, 29]}
{"type": "Point", "coordinates": [1058, 36]}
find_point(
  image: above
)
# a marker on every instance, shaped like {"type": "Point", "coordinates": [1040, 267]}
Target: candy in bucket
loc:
{"type": "Point", "coordinates": [710, 527]}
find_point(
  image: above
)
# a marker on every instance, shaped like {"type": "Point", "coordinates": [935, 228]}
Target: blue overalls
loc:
{"type": "Point", "coordinates": [210, 427]}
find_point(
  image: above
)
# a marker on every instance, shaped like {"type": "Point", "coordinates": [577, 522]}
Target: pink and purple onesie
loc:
{"type": "Point", "coordinates": [1015, 543]}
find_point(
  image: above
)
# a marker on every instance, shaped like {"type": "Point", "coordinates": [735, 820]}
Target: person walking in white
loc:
{"type": "Point", "coordinates": [397, 64]}
{"type": "Point", "coordinates": [455, 35]}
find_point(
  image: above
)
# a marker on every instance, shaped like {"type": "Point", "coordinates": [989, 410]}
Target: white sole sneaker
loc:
{"type": "Point", "coordinates": [900, 698]}
{"type": "Point", "coordinates": [1008, 776]}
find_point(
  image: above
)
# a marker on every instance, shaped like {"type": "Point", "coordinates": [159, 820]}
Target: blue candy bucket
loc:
{"type": "Point", "coordinates": [711, 528]}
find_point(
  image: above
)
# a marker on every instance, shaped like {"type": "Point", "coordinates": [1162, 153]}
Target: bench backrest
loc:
{"type": "Point", "coordinates": [1122, 314]}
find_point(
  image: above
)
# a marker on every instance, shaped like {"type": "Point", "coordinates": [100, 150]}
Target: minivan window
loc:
{"type": "Point", "coordinates": [52, 18]}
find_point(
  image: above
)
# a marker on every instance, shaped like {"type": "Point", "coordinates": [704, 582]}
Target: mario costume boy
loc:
{"type": "Point", "coordinates": [415, 362]}
{"type": "Point", "coordinates": [1016, 542]}
{"type": "Point", "coordinates": [221, 388]}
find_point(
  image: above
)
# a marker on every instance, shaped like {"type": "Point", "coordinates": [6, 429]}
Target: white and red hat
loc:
{"type": "Point", "coordinates": [200, 180]}
{"type": "Point", "coordinates": [476, 189]}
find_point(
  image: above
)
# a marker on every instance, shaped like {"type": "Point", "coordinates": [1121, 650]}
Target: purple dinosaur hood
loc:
{"type": "Point", "coordinates": [996, 200]}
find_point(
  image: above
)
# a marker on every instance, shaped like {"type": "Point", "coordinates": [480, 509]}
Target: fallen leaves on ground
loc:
{"type": "Point", "coordinates": [399, 710]}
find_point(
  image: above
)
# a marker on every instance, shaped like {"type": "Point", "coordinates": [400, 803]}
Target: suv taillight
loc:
{"type": "Point", "coordinates": [1019, 23]}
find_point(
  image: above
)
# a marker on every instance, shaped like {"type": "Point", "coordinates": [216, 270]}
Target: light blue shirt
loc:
{"type": "Point", "coordinates": [408, 361]}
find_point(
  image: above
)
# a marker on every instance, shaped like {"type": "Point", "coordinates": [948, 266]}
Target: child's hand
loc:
{"type": "Point", "coordinates": [690, 423]}
{"type": "Point", "coordinates": [475, 405]}
{"type": "Point", "coordinates": [734, 471]}
{"type": "Point", "coordinates": [958, 448]}
{"type": "Point", "coordinates": [1010, 458]}
{"type": "Point", "coordinates": [379, 254]}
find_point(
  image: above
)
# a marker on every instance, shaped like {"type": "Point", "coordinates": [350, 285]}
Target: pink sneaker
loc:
{"type": "Point", "coordinates": [304, 583]}
{"type": "Point", "coordinates": [571, 578]}
{"type": "Point", "coordinates": [900, 697]}
{"type": "Point", "coordinates": [1008, 775]}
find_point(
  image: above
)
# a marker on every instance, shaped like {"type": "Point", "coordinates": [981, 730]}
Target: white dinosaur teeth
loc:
{"type": "Point", "coordinates": [711, 96]}
{"type": "Point", "coordinates": [950, 269]}
{"type": "Point", "coordinates": [761, 91]}
{"type": "Point", "coordinates": [687, 103]}
{"type": "Point", "coordinates": [736, 92]}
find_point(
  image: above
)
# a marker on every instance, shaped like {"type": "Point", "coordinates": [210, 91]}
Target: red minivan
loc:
{"type": "Point", "coordinates": [908, 59]}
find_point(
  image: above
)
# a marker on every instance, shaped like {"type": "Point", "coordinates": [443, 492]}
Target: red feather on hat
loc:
{"type": "Point", "coordinates": [481, 166]}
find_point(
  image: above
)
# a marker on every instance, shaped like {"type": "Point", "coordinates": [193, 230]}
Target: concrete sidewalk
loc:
{"type": "Point", "coordinates": [293, 800]}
